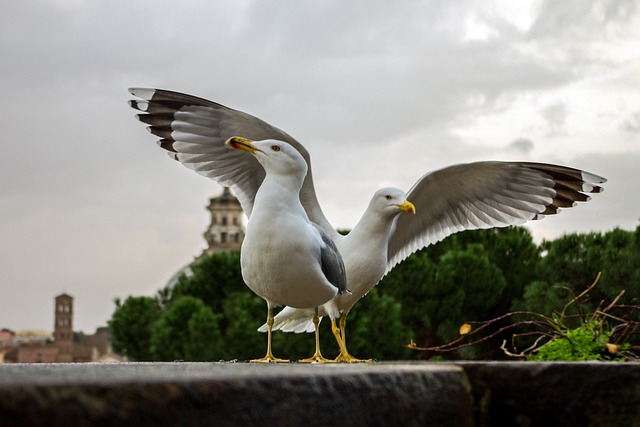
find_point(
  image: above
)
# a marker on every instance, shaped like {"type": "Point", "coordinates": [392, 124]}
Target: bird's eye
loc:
{"type": "Point", "coordinates": [275, 148]}
{"type": "Point", "coordinates": [388, 197]}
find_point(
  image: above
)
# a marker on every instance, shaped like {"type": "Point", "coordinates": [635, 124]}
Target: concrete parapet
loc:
{"type": "Point", "coordinates": [555, 394]}
{"type": "Point", "coordinates": [375, 394]}
{"type": "Point", "coordinates": [234, 394]}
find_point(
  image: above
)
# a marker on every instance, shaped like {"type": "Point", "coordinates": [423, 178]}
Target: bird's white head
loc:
{"type": "Point", "coordinates": [391, 201]}
{"type": "Point", "coordinates": [276, 157]}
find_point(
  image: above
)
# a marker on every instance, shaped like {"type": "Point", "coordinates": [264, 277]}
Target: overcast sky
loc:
{"type": "Point", "coordinates": [379, 92]}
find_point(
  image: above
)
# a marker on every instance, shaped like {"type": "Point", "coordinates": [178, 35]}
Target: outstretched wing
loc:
{"type": "Point", "coordinates": [194, 130]}
{"type": "Point", "coordinates": [485, 195]}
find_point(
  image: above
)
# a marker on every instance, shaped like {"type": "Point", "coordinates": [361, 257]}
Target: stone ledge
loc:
{"type": "Point", "coordinates": [388, 393]}
{"type": "Point", "coordinates": [235, 394]}
{"type": "Point", "coordinates": [555, 394]}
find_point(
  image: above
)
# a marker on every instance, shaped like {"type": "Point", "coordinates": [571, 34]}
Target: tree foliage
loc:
{"type": "Point", "coordinates": [131, 325]}
{"type": "Point", "coordinates": [478, 275]}
{"type": "Point", "coordinates": [187, 330]}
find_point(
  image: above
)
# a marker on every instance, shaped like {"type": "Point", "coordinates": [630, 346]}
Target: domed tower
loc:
{"type": "Point", "coordinates": [226, 229]}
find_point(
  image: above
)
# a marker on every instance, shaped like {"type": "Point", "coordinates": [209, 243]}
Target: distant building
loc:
{"type": "Point", "coordinates": [226, 228]}
{"type": "Point", "coordinates": [64, 345]}
{"type": "Point", "coordinates": [36, 353]}
{"type": "Point", "coordinates": [7, 342]}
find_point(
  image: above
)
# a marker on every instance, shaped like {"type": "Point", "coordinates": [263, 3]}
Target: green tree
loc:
{"type": "Point", "coordinates": [510, 249]}
{"type": "Point", "coordinates": [620, 265]}
{"type": "Point", "coordinates": [436, 298]}
{"type": "Point", "coordinates": [411, 284]}
{"type": "Point", "coordinates": [474, 275]}
{"type": "Point", "coordinates": [186, 330]}
{"type": "Point", "coordinates": [574, 260]}
{"type": "Point", "coordinates": [541, 298]}
{"type": "Point", "coordinates": [514, 252]}
{"type": "Point", "coordinates": [131, 325]}
{"type": "Point", "coordinates": [205, 341]}
{"type": "Point", "coordinates": [475, 288]}
{"type": "Point", "coordinates": [213, 278]}
{"type": "Point", "coordinates": [375, 329]}
{"type": "Point", "coordinates": [244, 312]}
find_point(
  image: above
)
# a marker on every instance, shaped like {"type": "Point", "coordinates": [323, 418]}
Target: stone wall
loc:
{"type": "Point", "coordinates": [385, 394]}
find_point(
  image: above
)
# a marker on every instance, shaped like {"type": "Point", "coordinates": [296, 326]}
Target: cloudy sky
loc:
{"type": "Point", "coordinates": [379, 92]}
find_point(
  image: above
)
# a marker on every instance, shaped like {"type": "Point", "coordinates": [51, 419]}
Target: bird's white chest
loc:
{"type": "Point", "coordinates": [280, 259]}
{"type": "Point", "coordinates": [365, 263]}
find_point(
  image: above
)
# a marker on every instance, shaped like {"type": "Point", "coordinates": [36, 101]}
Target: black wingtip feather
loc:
{"type": "Point", "coordinates": [157, 120]}
{"type": "Point", "coordinates": [549, 210]}
{"type": "Point", "coordinates": [160, 131]}
{"type": "Point", "coordinates": [167, 144]}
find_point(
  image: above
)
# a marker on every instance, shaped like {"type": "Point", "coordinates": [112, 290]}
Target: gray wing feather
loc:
{"type": "Point", "coordinates": [332, 264]}
{"type": "Point", "coordinates": [194, 130]}
{"type": "Point", "coordinates": [485, 195]}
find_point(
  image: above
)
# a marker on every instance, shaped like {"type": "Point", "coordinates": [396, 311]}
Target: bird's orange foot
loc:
{"type": "Point", "coordinates": [317, 358]}
{"type": "Point", "coordinates": [347, 358]}
{"type": "Point", "coordinates": [269, 358]}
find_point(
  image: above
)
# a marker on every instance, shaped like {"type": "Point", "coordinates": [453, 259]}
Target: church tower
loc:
{"type": "Point", "coordinates": [226, 229]}
{"type": "Point", "coordinates": [63, 328]}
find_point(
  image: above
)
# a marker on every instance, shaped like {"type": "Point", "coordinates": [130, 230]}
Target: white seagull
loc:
{"type": "Point", "coordinates": [285, 259]}
{"type": "Point", "coordinates": [459, 197]}
{"type": "Point", "coordinates": [365, 256]}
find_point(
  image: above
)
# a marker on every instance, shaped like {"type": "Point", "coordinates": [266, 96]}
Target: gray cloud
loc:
{"type": "Point", "coordinates": [555, 116]}
{"type": "Point", "coordinates": [632, 123]}
{"type": "Point", "coordinates": [521, 147]}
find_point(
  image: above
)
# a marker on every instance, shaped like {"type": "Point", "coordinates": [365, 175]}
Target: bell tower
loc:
{"type": "Point", "coordinates": [226, 229]}
{"type": "Point", "coordinates": [63, 327]}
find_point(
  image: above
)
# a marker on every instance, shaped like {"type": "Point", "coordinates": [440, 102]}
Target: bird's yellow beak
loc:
{"type": "Point", "coordinates": [241, 143]}
{"type": "Point", "coordinates": [407, 206]}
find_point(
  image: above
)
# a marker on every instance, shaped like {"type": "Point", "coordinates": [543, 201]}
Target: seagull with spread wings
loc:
{"type": "Point", "coordinates": [286, 259]}
{"type": "Point", "coordinates": [456, 198]}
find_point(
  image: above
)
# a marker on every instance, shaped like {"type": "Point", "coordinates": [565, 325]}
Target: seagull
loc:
{"type": "Point", "coordinates": [460, 197]}
{"type": "Point", "coordinates": [364, 251]}
{"type": "Point", "coordinates": [285, 259]}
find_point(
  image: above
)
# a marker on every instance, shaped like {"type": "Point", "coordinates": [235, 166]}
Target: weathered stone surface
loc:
{"type": "Point", "coordinates": [235, 394]}
{"type": "Point", "coordinates": [555, 394]}
{"type": "Point", "coordinates": [240, 394]}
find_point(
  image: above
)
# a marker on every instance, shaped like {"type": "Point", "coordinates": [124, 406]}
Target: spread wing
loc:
{"type": "Point", "coordinates": [485, 195]}
{"type": "Point", "coordinates": [194, 130]}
